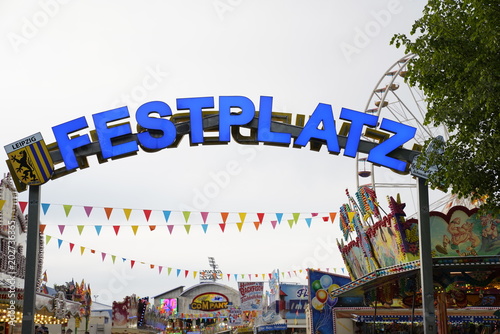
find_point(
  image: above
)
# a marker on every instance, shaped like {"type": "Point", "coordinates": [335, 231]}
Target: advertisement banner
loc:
{"type": "Point", "coordinates": [293, 301]}
{"type": "Point", "coordinates": [321, 285]}
{"type": "Point", "coordinates": [251, 295]}
{"type": "Point", "coordinates": [235, 317]}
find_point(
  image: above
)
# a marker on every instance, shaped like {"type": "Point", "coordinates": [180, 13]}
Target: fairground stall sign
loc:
{"type": "Point", "coordinates": [157, 128]}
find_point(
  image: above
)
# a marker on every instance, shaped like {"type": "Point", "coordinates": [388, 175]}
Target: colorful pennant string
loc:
{"type": "Point", "coordinates": [69, 210]}
{"type": "Point", "coordinates": [187, 272]}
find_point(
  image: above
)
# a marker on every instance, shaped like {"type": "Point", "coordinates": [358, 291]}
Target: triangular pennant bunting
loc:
{"type": "Point", "coordinates": [67, 209]}
{"type": "Point", "coordinates": [147, 214]}
{"type": "Point", "coordinates": [45, 208]}
{"type": "Point", "coordinates": [127, 213]}
{"type": "Point", "coordinates": [80, 228]}
{"type": "Point", "coordinates": [98, 229]}
{"type": "Point", "coordinates": [88, 210]}
{"type": "Point", "coordinates": [166, 214]}
{"type": "Point", "coordinates": [205, 227]}
{"type": "Point", "coordinates": [134, 229]}
{"type": "Point", "coordinates": [108, 212]}
{"type": "Point", "coordinates": [23, 205]}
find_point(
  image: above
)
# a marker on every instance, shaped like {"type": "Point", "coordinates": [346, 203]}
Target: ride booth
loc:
{"type": "Point", "coordinates": [381, 254]}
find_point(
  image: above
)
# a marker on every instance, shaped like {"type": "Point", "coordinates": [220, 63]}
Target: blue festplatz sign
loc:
{"type": "Point", "coordinates": [159, 128]}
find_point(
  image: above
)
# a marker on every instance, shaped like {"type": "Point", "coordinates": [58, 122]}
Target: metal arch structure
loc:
{"type": "Point", "coordinates": [209, 122]}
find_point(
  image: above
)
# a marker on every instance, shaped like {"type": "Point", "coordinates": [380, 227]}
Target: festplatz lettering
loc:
{"type": "Point", "coordinates": [156, 133]}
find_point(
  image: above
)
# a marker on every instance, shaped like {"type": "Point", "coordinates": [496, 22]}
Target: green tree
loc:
{"type": "Point", "coordinates": [457, 66]}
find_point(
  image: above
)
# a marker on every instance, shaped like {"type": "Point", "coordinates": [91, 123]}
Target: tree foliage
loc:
{"type": "Point", "coordinates": [457, 66]}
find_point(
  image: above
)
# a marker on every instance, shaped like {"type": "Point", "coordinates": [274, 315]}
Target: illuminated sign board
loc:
{"type": "Point", "coordinates": [168, 306]}
{"type": "Point", "coordinates": [157, 128]}
{"type": "Point", "coordinates": [211, 301]}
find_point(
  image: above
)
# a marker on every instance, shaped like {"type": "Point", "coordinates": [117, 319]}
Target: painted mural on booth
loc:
{"type": "Point", "coordinates": [463, 232]}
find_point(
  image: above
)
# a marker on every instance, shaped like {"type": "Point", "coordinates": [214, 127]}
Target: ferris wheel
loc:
{"type": "Point", "coordinates": [395, 99]}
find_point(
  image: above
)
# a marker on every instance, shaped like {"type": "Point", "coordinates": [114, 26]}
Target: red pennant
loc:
{"type": "Point", "coordinates": [261, 217]}
{"type": "Point", "coordinates": [222, 227]}
{"type": "Point", "coordinates": [224, 216]}
{"type": "Point", "coordinates": [108, 212]}
{"type": "Point", "coordinates": [132, 262]}
{"type": "Point", "coordinates": [147, 213]}
{"type": "Point", "coordinates": [23, 205]}
{"type": "Point", "coordinates": [71, 245]}
{"type": "Point", "coordinates": [186, 272]}
{"type": "Point", "coordinates": [116, 228]}
{"type": "Point", "coordinates": [325, 219]}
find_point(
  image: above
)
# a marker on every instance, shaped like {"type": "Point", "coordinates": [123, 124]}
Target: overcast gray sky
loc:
{"type": "Point", "coordinates": [67, 59]}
